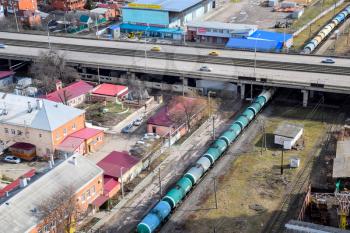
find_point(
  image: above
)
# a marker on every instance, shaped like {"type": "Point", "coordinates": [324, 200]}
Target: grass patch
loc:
{"type": "Point", "coordinates": [255, 180]}
{"type": "Point", "coordinates": [308, 15]}
{"type": "Point", "coordinates": [235, 1]}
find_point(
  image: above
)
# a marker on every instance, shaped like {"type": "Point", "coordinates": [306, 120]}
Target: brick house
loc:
{"type": "Point", "coordinates": [68, 5]}
{"type": "Point", "coordinates": [19, 212]}
{"type": "Point", "coordinates": [109, 92]}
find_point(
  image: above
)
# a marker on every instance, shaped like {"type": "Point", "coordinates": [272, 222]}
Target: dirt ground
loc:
{"type": "Point", "coordinates": [248, 195]}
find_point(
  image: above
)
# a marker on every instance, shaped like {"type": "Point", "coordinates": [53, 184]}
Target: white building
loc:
{"type": "Point", "coordinates": [287, 135]}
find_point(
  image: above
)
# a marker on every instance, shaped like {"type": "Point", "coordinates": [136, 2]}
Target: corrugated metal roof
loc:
{"type": "Point", "coordinates": [110, 90]}
{"type": "Point", "coordinates": [252, 44]}
{"type": "Point", "coordinates": [273, 36]}
{"type": "Point", "coordinates": [341, 163]}
{"type": "Point", "coordinates": [48, 115]}
{"type": "Point", "coordinates": [86, 133]}
{"type": "Point", "coordinates": [221, 25]}
{"type": "Point", "coordinates": [17, 214]}
{"type": "Point", "coordinates": [170, 5]}
{"type": "Point", "coordinates": [288, 130]}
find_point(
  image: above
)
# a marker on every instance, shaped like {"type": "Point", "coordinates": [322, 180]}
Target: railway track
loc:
{"type": "Point", "coordinates": [291, 200]}
{"type": "Point", "coordinates": [185, 57]}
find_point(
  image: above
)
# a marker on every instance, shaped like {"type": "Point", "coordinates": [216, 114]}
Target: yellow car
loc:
{"type": "Point", "coordinates": [156, 49]}
{"type": "Point", "coordinates": [214, 53]}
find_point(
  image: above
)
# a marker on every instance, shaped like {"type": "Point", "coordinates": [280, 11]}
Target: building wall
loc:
{"type": "Point", "coordinates": [94, 143]}
{"type": "Point", "coordinates": [68, 4]}
{"type": "Point", "coordinates": [31, 5]}
{"type": "Point", "coordinates": [40, 138]}
{"type": "Point", "coordinates": [59, 134]}
{"type": "Point", "coordinates": [287, 143]}
{"type": "Point", "coordinates": [84, 196]}
{"type": "Point", "coordinates": [144, 16]}
{"type": "Point", "coordinates": [6, 81]}
{"type": "Point", "coordinates": [103, 98]}
{"type": "Point", "coordinates": [76, 101]}
{"type": "Point", "coordinates": [132, 173]}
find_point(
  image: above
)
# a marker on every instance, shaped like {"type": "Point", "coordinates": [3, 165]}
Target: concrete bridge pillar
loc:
{"type": "Point", "coordinates": [312, 93]}
{"type": "Point", "coordinates": [184, 81]}
{"type": "Point", "coordinates": [305, 97]}
{"type": "Point", "coordinates": [9, 63]}
{"type": "Point", "coordinates": [242, 90]}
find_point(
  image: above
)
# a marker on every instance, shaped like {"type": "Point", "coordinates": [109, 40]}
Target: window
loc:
{"type": "Point", "coordinates": [40, 135]}
{"type": "Point", "coordinates": [57, 136]}
{"type": "Point", "coordinates": [13, 131]}
{"type": "Point", "coordinates": [88, 194]}
{"type": "Point", "coordinates": [74, 126]}
{"type": "Point", "coordinates": [93, 190]}
{"type": "Point", "coordinates": [46, 228]}
{"type": "Point", "coordinates": [19, 132]}
{"type": "Point", "coordinates": [82, 197]}
{"type": "Point", "coordinates": [6, 130]}
{"type": "Point", "coordinates": [64, 132]}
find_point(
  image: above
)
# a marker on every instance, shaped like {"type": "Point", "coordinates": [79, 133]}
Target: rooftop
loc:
{"type": "Point", "coordinates": [70, 92]}
{"type": "Point", "coordinates": [99, 10]}
{"type": "Point", "coordinates": [220, 25]}
{"type": "Point", "coordinates": [70, 144]}
{"type": "Point", "coordinates": [16, 215]}
{"type": "Point", "coordinates": [5, 74]}
{"type": "Point", "coordinates": [114, 162]}
{"type": "Point", "coordinates": [44, 114]}
{"type": "Point", "coordinates": [165, 5]}
{"type": "Point", "coordinates": [110, 90]}
{"type": "Point", "coordinates": [86, 133]}
{"type": "Point", "coordinates": [341, 163]}
{"type": "Point", "coordinates": [288, 130]}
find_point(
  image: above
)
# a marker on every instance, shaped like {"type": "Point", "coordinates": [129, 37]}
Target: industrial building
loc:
{"type": "Point", "coordinates": [217, 32]}
{"type": "Point", "coordinates": [287, 135]}
{"type": "Point", "coordinates": [162, 18]}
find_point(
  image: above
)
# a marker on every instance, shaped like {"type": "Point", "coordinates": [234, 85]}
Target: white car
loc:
{"type": "Point", "coordinates": [12, 159]}
{"type": "Point", "coordinates": [205, 68]}
{"type": "Point", "coordinates": [137, 122]}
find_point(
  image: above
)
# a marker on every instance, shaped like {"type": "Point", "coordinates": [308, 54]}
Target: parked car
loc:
{"type": "Point", "coordinates": [12, 159]}
{"type": "Point", "coordinates": [328, 60]}
{"type": "Point", "coordinates": [127, 128]}
{"type": "Point", "coordinates": [205, 68]}
{"type": "Point", "coordinates": [2, 46]}
{"type": "Point", "coordinates": [156, 49]}
{"type": "Point", "coordinates": [214, 53]}
{"type": "Point", "coordinates": [138, 122]}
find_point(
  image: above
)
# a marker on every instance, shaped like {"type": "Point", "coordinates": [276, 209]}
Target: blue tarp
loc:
{"type": "Point", "coordinates": [266, 35]}
{"type": "Point", "coordinates": [261, 40]}
{"type": "Point", "coordinates": [141, 28]}
{"type": "Point", "coordinates": [252, 43]}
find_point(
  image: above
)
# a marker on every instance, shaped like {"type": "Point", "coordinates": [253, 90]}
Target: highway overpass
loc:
{"type": "Point", "coordinates": [291, 71]}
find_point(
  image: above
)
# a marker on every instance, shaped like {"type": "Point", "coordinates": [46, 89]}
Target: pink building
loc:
{"type": "Point", "coordinates": [109, 92]}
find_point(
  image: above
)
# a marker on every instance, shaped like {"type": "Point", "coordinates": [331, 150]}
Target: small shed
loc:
{"type": "Point", "coordinates": [288, 134]}
{"type": "Point", "coordinates": [341, 163]}
{"type": "Point", "coordinates": [23, 150]}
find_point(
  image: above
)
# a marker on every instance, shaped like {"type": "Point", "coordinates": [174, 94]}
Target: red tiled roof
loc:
{"type": "Point", "coordinates": [109, 184]}
{"type": "Point", "coordinates": [15, 184]}
{"type": "Point", "coordinates": [72, 91]}
{"type": "Point", "coordinates": [113, 163]}
{"type": "Point", "coordinates": [86, 133]}
{"type": "Point", "coordinates": [162, 117]}
{"type": "Point", "coordinates": [99, 201]}
{"type": "Point", "coordinates": [5, 74]}
{"type": "Point", "coordinates": [23, 146]}
{"type": "Point", "coordinates": [70, 144]}
{"type": "Point", "coordinates": [110, 90]}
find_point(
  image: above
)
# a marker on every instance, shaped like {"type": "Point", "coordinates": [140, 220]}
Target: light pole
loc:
{"type": "Point", "coordinates": [146, 47]}
{"type": "Point", "coordinates": [96, 23]}
{"type": "Point", "coordinates": [211, 114]}
{"type": "Point", "coordinates": [121, 179]}
{"type": "Point", "coordinates": [14, 11]}
{"type": "Point", "coordinates": [48, 34]}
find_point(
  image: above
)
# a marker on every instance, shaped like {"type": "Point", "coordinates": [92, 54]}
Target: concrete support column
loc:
{"type": "Point", "coordinates": [312, 93]}
{"type": "Point", "coordinates": [305, 97]}
{"type": "Point", "coordinates": [242, 91]}
{"type": "Point", "coordinates": [184, 81]}
{"type": "Point", "coordinates": [9, 63]}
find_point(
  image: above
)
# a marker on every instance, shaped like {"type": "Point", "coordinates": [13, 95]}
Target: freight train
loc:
{"type": "Point", "coordinates": [311, 46]}
{"type": "Point", "coordinates": [163, 209]}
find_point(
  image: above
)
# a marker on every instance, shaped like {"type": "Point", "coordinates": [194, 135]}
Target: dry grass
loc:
{"type": "Point", "coordinates": [309, 14]}
{"type": "Point", "coordinates": [254, 179]}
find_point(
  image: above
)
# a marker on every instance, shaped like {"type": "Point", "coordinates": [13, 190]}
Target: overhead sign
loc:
{"type": "Point", "coordinates": [201, 30]}
{"type": "Point", "coordinates": [145, 6]}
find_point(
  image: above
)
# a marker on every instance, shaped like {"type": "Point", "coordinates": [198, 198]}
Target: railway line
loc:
{"type": "Point", "coordinates": [205, 59]}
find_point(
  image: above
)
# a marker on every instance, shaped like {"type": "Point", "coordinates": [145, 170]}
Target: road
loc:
{"type": "Point", "coordinates": [180, 158]}
{"type": "Point", "coordinates": [302, 59]}
{"type": "Point", "coordinates": [228, 73]}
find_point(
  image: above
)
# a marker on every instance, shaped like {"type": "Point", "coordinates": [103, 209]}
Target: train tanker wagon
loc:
{"type": "Point", "coordinates": [175, 195]}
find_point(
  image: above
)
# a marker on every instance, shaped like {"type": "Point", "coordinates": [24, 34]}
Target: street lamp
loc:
{"type": "Point", "coordinates": [48, 34]}
{"type": "Point", "coordinates": [211, 114]}
{"type": "Point", "coordinates": [121, 179]}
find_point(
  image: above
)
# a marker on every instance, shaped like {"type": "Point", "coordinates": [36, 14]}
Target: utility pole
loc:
{"type": "Point", "coordinates": [310, 31]}
{"type": "Point", "coordinates": [251, 91]}
{"type": "Point", "coordinates": [122, 182]}
{"type": "Point", "coordinates": [160, 185]}
{"type": "Point", "coordinates": [14, 11]}
{"type": "Point", "coordinates": [98, 74]}
{"type": "Point", "coordinates": [282, 159]}
{"type": "Point", "coordinates": [213, 131]}
{"type": "Point", "coordinates": [216, 200]}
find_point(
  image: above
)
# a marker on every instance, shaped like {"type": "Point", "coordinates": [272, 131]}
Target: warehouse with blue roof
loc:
{"type": "Point", "coordinates": [162, 18]}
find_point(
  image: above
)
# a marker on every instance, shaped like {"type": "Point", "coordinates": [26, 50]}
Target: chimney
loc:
{"type": "Point", "coordinates": [58, 85]}
{"type": "Point", "coordinates": [29, 107]}
{"type": "Point", "coordinates": [23, 182]}
{"type": "Point", "coordinates": [39, 104]}
{"type": "Point", "coordinates": [75, 161]}
{"type": "Point", "coordinates": [7, 194]}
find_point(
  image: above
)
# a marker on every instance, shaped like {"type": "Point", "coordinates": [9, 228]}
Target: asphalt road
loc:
{"type": "Point", "coordinates": [172, 49]}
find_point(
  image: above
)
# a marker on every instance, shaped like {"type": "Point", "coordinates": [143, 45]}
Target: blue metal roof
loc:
{"type": "Point", "coordinates": [170, 5]}
{"type": "Point", "coordinates": [134, 27]}
{"type": "Point", "coordinates": [275, 36]}
{"type": "Point", "coordinates": [114, 26]}
{"type": "Point", "coordinates": [251, 43]}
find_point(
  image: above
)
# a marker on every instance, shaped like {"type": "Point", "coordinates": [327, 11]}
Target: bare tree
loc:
{"type": "Point", "coordinates": [9, 23]}
{"type": "Point", "coordinates": [50, 67]}
{"type": "Point", "coordinates": [60, 210]}
{"type": "Point", "coordinates": [184, 109]}
{"type": "Point", "coordinates": [64, 97]}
